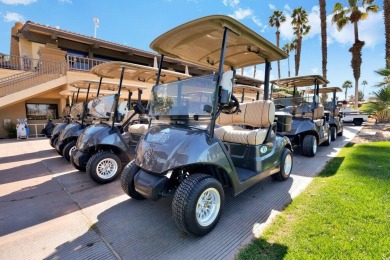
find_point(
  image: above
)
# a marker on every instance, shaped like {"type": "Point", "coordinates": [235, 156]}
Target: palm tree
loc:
{"type": "Point", "coordinates": [364, 83]}
{"type": "Point", "coordinates": [347, 84]}
{"type": "Point", "coordinates": [386, 77]}
{"type": "Point", "coordinates": [386, 14]}
{"type": "Point", "coordinates": [275, 20]}
{"type": "Point", "coordinates": [288, 47]}
{"type": "Point", "coordinates": [300, 27]}
{"type": "Point", "coordinates": [341, 16]}
{"type": "Point", "coordinates": [324, 45]}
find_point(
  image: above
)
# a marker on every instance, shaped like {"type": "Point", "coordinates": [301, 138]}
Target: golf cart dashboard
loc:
{"type": "Point", "coordinates": [183, 120]}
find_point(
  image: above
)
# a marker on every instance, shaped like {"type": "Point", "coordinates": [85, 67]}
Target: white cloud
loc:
{"type": "Point", "coordinates": [14, 17]}
{"type": "Point", "coordinates": [240, 13]}
{"type": "Point", "coordinates": [58, 27]}
{"type": "Point", "coordinates": [314, 70]}
{"type": "Point", "coordinates": [65, 1]}
{"type": "Point", "coordinates": [370, 31]}
{"type": "Point", "coordinates": [257, 21]}
{"type": "Point", "coordinates": [287, 7]}
{"type": "Point", "coordinates": [286, 29]}
{"type": "Point", "coordinates": [231, 3]}
{"type": "Point", "coordinates": [17, 2]}
{"type": "Point", "coordinates": [271, 6]}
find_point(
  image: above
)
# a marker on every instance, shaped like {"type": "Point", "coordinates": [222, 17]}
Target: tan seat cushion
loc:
{"type": "Point", "coordinates": [256, 114]}
{"type": "Point", "coordinates": [138, 129]}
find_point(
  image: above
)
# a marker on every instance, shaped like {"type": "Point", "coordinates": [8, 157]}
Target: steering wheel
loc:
{"type": "Point", "coordinates": [138, 108]}
{"type": "Point", "coordinates": [233, 106]}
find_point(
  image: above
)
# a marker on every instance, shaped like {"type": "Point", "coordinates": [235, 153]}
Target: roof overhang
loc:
{"type": "Point", "coordinates": [105, 85]}
{"type": "Point", "coordinates": [200, 42]}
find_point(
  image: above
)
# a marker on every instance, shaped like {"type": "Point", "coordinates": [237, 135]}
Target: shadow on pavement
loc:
{"type": "Point", "coordinates": [145, 229]}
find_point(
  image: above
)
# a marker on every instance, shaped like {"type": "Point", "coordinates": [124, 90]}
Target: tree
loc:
{"type": "Point", "coordinates": [386, 77]}
{"type": "Point", "coordinates": [300, 27]}
{"type": "Point", "coordinates": [341, 16]}
{"type": "Point", "coordinates": [364, 83]}
{"type": "Point", "coordinates": [386, 14]}
{"type": "Point", "coordinates": [361, 95]}
{"type": "Point", "coordinates": [324, 45]}
{"type": "Point", "coordinates": [289, 47]}
{"type": "Point", "coordinates": [347, 84]}
{"type": "Point", "coordinates": [275, 20]}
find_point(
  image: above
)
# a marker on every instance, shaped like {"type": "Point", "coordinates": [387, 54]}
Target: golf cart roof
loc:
{"type": "Point", "coordinates": [238, 89]}
{"type": "Point", "coordinates": [106, 85]}
{"type": "Point", "coordinates": [280, 95]}
{"type": "Point", "coordinates": [136, 72]}
{"type": "Point", "coordinates": [199, 41]}
{"type": "Point", "coordinates": [300, 81]}
{"type": "Point", "coordinates": [330, 90]}
{"type": "Point", "coordinates": [70, 92]}
{"type": "Point", "coordinates": [240, 79]}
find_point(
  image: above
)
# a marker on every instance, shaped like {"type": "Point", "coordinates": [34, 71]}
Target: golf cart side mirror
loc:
{"type": "Point", "coordinates": [226, 84]}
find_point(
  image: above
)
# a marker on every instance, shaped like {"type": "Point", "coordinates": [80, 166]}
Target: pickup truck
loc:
{"type": "Point", "coordinates": [353, 116]}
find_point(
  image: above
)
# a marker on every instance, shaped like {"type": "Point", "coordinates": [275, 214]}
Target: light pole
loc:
{"type": "Point", "coordinates": [96, 22]}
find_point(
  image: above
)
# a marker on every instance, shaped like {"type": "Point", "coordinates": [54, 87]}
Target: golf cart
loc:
{"type": "Point", "coordinates": [104, 148]}
{"type": "Point", "coordinates": [189, 157]}
{"type": "Point", "coordinates": [247, 88]}
{"type": "Point", "coordinates": [308, 127]}
{"type": "Point", "coordinates": [79, 115]}
{"type": "Point", "coordinates": [332, 113]}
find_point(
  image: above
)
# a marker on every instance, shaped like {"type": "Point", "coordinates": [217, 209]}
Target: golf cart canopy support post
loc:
{"type": "Point", "coordinates": [159, 69]}
{"type": "Point", "coordinates": [129, 99]}
{"type": "Point", "coordinates": [117, 98]}
{"type": "Point", "coordinates": [266, 79]}
{"type": "Point", "coordinates": [86, 104]}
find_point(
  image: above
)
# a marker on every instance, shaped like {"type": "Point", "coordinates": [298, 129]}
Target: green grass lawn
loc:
{"type": "Point", "coordinates": [343, 214]}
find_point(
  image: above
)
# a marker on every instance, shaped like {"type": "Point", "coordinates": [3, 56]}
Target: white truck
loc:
{"type": "Point", "coordinates": [353, 116]}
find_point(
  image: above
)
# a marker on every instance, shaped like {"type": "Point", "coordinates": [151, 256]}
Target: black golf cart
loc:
{"type": "Point", "coordinates": [104, 147]}
{"type": "Point", "coordinates": [309, 127]}
{"type": "Point", "coordinates": [332, 112]}
{"type": "Point", "coordinates": [188, 157]}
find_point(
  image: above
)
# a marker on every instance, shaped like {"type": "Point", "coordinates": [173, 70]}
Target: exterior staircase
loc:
{"type": "Point", "coordinates": [32, 80]}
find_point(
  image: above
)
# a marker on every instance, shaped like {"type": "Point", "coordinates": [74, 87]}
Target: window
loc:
{"type": "Point", "coordinates": [41, 111]}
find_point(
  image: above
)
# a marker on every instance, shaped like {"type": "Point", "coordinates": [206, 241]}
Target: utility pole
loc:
{"type": "Point", "coordinates": [96, 22]}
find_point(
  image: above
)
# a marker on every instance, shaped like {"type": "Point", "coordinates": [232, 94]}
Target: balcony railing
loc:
{"type": "Point", "coordinates": [81, 63]}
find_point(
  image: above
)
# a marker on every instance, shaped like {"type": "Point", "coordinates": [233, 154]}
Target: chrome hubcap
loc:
{"type": "Point", "coordinates": [106, 168]}
{"type": "Point", "coordinates": [71, 150]}
{"type": "Point", "coordinates": [207, 207]}
{"type": "Point", "coordinates": [288, 164]}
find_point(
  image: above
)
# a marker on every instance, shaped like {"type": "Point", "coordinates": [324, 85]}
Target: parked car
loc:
{"type": "Point", "coordinates": [188, 157]}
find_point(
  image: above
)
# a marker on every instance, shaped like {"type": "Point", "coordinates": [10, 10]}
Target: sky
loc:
{"type": "Point", "coordinates": [136, 23]}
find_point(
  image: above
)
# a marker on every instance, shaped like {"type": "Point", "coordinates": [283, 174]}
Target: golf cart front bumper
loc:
{"type": "Point", "coordinates": [148, 185]}
{"type": "Point", "coordinates": [81, 158]}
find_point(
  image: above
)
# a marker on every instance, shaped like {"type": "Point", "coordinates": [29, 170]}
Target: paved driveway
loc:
{"type": "Point", "coordinates": [49, 210]}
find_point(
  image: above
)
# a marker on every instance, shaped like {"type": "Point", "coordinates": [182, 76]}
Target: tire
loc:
{"type": "Point", "coordinates": [328, 140]}
{"type": "Point", "coordinates": [340, 134]}
{"type": "Point", "coordinates": [69, 147]}
{"type": "Point", "coordinates": [357, 121]}
{"type": "Point", "coordinates": [286, 164]}
{"type": "Point", "coordinates": [309, 146]}
{"type": "Point", "coordinates": [127, 180]}
{"type": "Point", "coordinates": [55, 142]}
{"type": "Point", "coordinates": [104, 167]}
{"type": "Point", "coordinates": [333, 133]}
{"type": "Point", "coordinates": [188, 198]}
{"type": "Point", "coordinates": [80, 168]}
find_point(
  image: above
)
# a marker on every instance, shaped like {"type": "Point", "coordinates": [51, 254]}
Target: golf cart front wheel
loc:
{"type": "Point", "coordinates": [309, 146]}
{"type": "Point", "coordinates": [68, 149]}
{"type": "Point", "coordinates": [104, 167]}
{"type": "Point", "coordinates": [197, 204]}
{"type": "Point", "coordinates": [286, 164]}
{"type": "Point", "coordinates": [127, 181]}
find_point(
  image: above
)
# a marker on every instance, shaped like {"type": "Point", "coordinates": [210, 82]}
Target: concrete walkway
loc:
{"type": "Point", "coordinates": [48, 210]}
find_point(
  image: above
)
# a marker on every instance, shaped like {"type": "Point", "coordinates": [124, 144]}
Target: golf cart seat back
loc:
{"type": "Point", "coordinates": [258, 114]}
{"type": "Point", "coordinates": [318, 113]}
{"type": "Point", "coordinates": [138, 129]}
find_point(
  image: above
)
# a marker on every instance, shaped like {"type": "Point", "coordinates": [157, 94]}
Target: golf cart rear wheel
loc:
{"type": "Point", "coordinates": [68, 149]}
{"type": "Point", "coordinates": [197, 204]}
{"type": "Point", "coordinates": [80, 168]}
{"type": "Point", "coordinates": [357, 121]}
{"type": "Point", "coordinates": [286, 164]}
{"type": "Point", "coordinates": [333, 133]}
{"type": "Point", "coordinates": [309, 146]}
{"type": "Point", "coordinates": [55, 142]}
{"type": "Point", "coordinates": [127, 181]}
{"type": "Point", "coordinates": [104, 167]}
{"type": "Point", "coordinates": [340, 133]}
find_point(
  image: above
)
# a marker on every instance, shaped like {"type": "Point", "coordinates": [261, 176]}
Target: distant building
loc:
{"type": "Point", "coordinates": [43, 61]}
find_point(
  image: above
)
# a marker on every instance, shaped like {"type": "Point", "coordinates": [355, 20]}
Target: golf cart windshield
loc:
{"type": "Point", "coordinates": [102, 107]}
{"type": "Point", "coordinates": [294, 104]}
{"type": "Point", "coordinates": [191, 97]}
{"type": "Point", "coordinates": [77, 110]}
